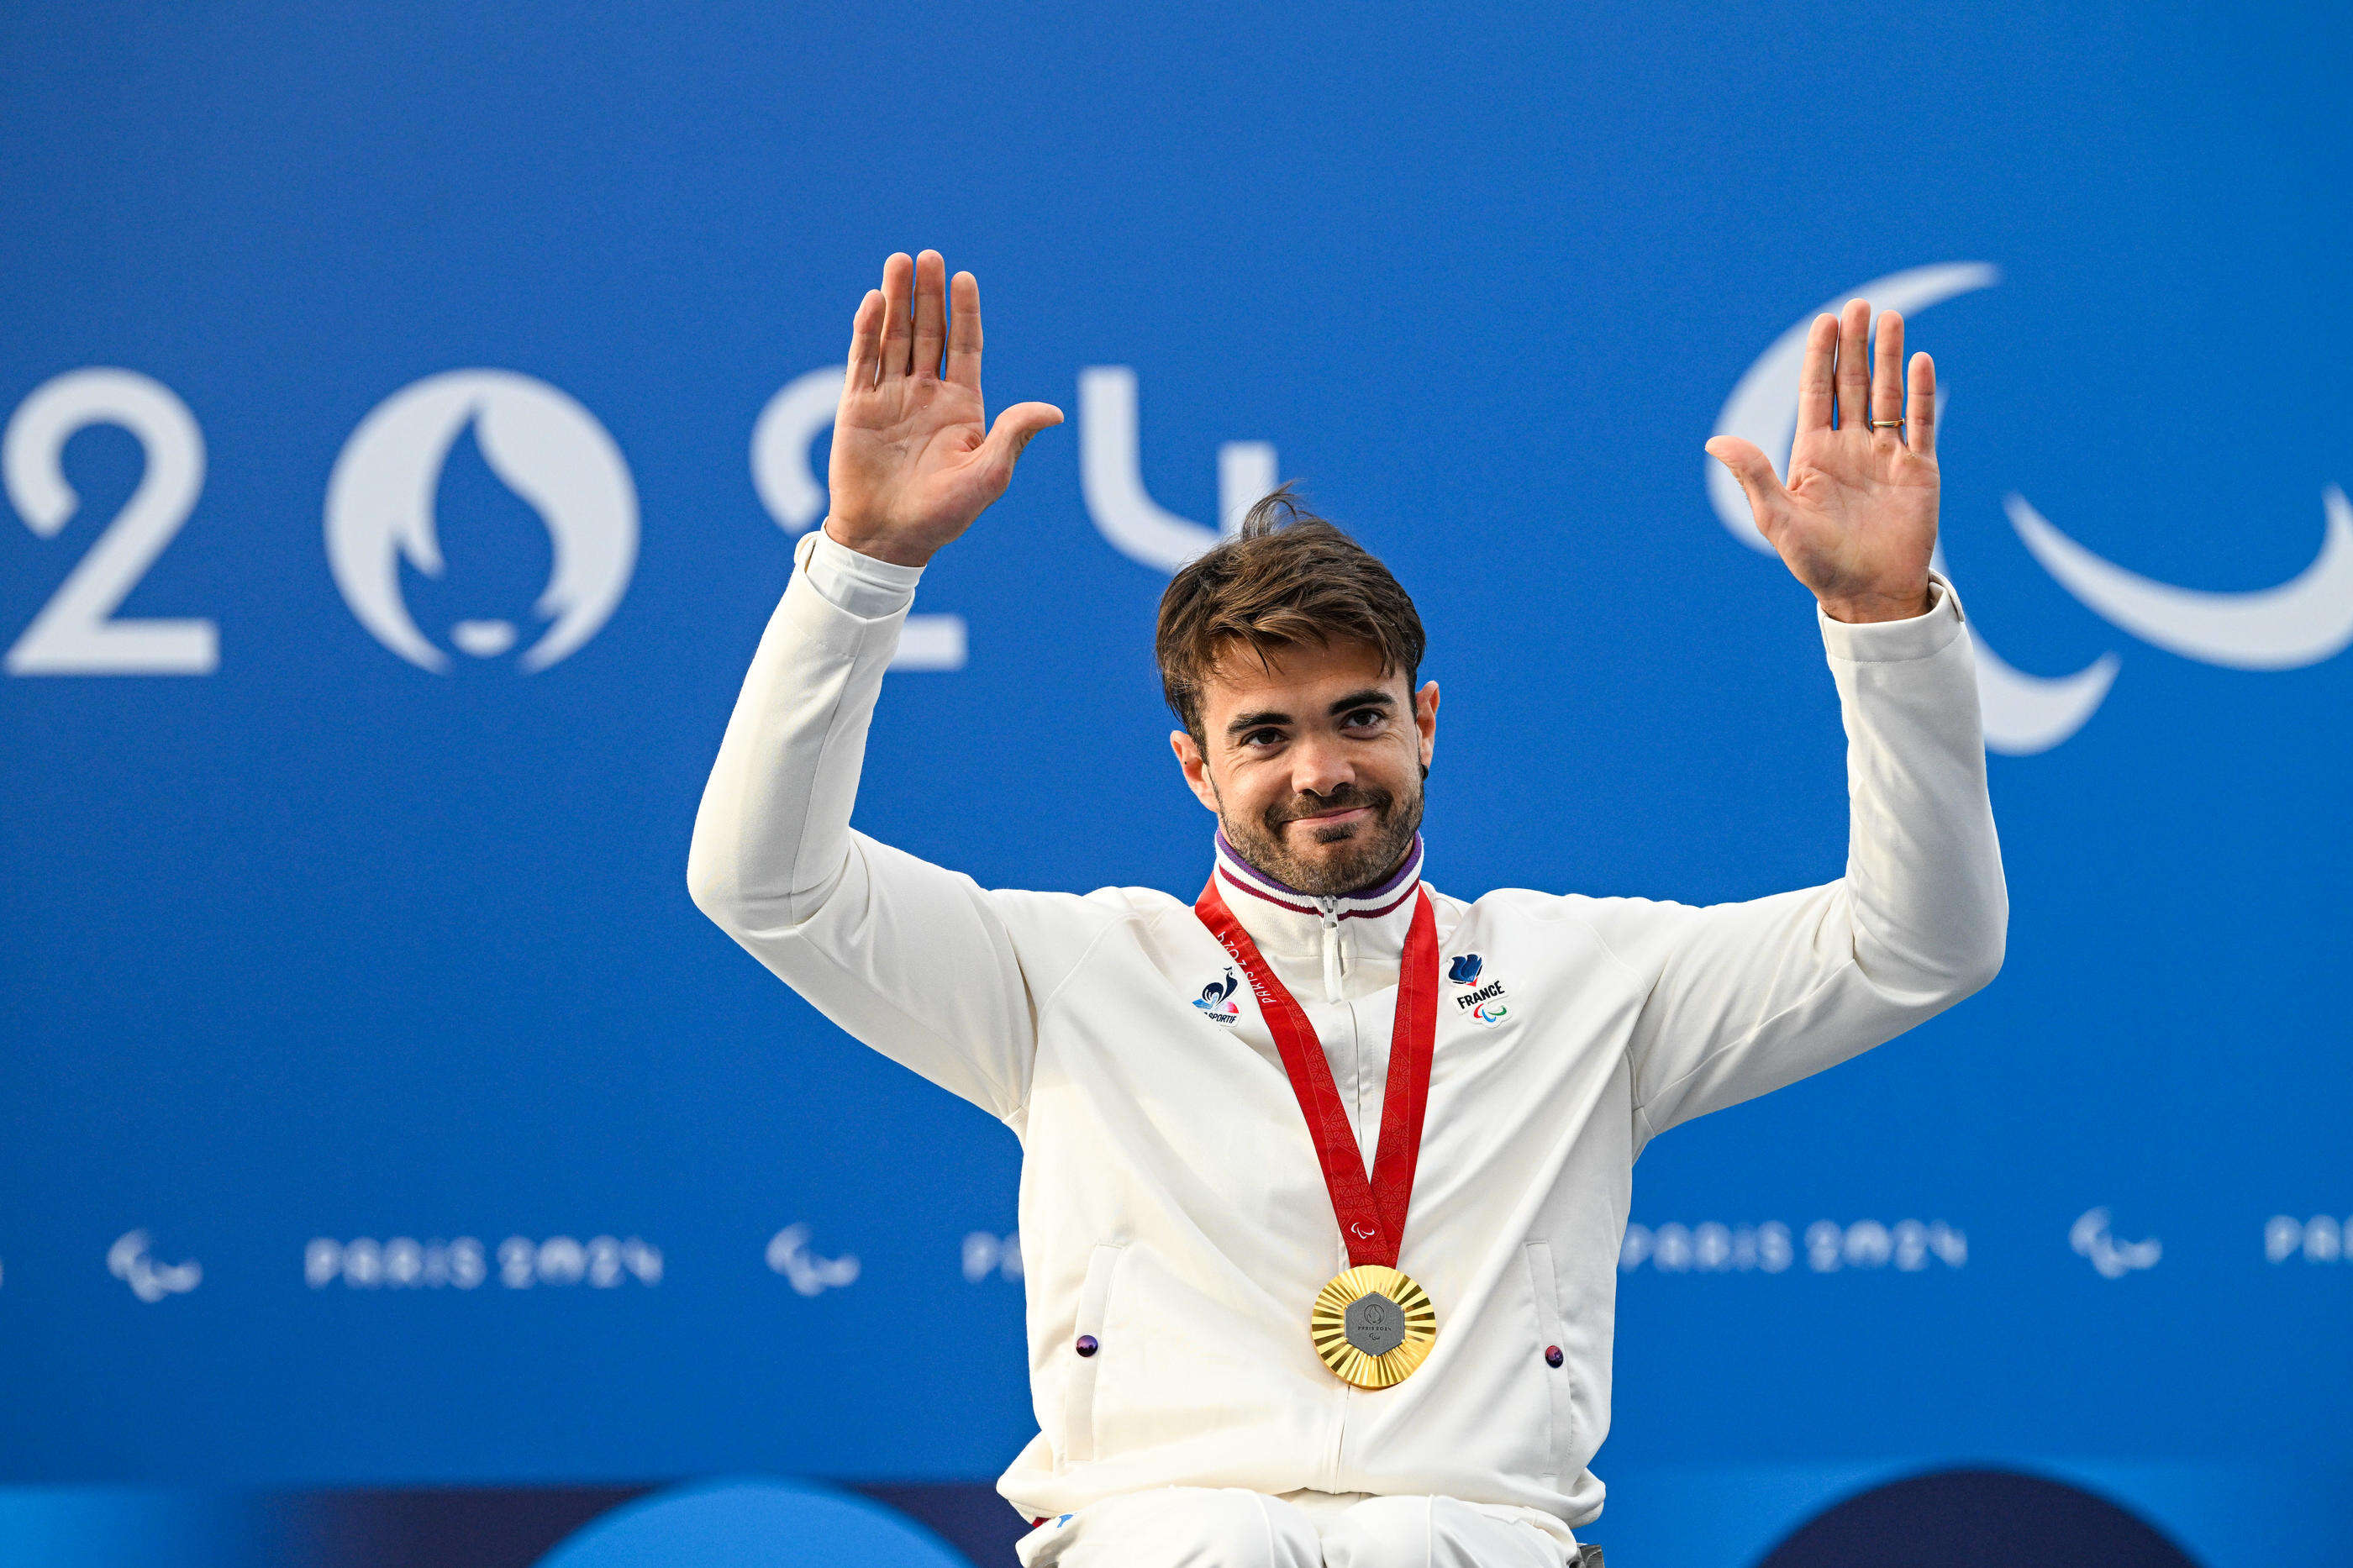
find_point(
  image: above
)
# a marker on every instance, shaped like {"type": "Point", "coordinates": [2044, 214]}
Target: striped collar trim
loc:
{"type": "Point", "coordinates": [1365, 903]}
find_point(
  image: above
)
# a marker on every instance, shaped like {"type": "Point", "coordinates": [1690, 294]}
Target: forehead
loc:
{"type": "Point", "coordinates": [1298, 679]}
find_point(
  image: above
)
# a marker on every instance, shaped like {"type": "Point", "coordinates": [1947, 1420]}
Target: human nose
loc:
{"type": "Point", "coordinates": [1319, 765]}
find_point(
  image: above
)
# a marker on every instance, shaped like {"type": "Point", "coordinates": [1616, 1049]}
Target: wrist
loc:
{"type": "Point", "coordinates": [876, 545]}
{"type": "Point", "coordinates": [1862, 608]}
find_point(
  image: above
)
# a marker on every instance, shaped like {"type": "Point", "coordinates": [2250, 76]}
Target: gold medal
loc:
{"type": "Point", "coordinates": [1373, 1326]}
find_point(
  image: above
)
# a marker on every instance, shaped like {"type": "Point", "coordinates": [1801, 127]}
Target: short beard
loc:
{"type": "Point", "coordinates": [1371, 851]}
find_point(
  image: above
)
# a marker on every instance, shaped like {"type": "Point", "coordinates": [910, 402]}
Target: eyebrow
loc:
{"type": "Point", "coordinates": [1371, 697]}
{"type": "Point", "coordinates": [1242, 722]}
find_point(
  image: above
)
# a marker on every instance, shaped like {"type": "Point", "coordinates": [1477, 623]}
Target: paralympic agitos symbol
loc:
{"type": "Point", "coordinates": [2300, 622]}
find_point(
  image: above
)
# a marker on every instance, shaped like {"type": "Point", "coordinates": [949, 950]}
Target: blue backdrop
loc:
{"type": "Point", "coordinates": [379, 1112]}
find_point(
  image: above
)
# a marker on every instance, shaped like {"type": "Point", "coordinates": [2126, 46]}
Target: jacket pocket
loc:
{"type": "Point", "coordinates": [1079, 1388]}
{"type": "Point", "coordinates": [1545, 1290]}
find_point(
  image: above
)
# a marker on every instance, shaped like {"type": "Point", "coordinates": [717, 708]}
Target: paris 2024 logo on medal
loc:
{"type": "Point", "coordinates": [1373, 1326]}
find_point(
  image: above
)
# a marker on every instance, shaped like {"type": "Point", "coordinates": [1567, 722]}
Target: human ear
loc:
{"type": "Point", "coordinates": [1425, 719]}
{"type": "Point", "coordinates": [1195, 767]}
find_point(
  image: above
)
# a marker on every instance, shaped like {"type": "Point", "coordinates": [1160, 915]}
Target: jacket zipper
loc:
{"type": "Point", "coordinates": [1333, 971]}
{"type": "Point", "coordinates": [1330, 909]}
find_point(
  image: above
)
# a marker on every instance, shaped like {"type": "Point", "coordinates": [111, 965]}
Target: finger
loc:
{"type": "Point", "coordinates": [1757, 480]}
{"type": "Point", "coordinates": [1854, 364]}
{"type": "Point", "coordinates": [866, 341]}
{"type": "Point", "coordinates": [1013, 429]}
{"type": "Point", "coordinates": [964, 330]}
{"type": "Point", "coordinates": [898, 285]}
{"type": "Point", "coordinates": [1920, 419]}
{"type": "Point", "coordinates": [1887, 376]}
{"type": "Point", "coordinates": [1816, 400]}
{"type": "Point", "coordinates": [931, 314]}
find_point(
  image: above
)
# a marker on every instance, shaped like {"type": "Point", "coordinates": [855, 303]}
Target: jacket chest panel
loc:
{"type": "Point", "coordinates": [1157, 1069]}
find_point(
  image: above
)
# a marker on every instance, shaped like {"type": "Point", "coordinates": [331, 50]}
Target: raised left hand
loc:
{"type": "Point", "coordinates": [1857, 520]}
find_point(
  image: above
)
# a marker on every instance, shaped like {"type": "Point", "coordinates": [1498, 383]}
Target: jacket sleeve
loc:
{"type": "Point", "coordinates": [915, 960]}
{"type": "Point", "coordinates": [1751, 997]}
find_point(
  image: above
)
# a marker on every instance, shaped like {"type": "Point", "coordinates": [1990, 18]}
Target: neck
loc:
{"type": "Point", "coordinates": [1374, 897]}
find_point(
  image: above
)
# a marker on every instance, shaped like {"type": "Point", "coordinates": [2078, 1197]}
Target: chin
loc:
{"type": "Point", "coordinates": [1330, 864]}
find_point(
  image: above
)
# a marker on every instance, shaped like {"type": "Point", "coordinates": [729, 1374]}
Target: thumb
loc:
{"type": "Point", "coordinates": [1757, 480]}
{"type": "Point", "coordinates": [1013, 429]}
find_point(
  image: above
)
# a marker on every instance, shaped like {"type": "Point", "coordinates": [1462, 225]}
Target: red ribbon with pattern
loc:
{"type": "Point", "coordinates": [1371, 1212]}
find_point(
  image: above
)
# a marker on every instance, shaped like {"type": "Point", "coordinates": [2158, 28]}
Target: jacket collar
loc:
{"type": "Point", "coordinates": [1283, 920]}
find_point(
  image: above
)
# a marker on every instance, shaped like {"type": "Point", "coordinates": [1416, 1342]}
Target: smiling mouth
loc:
{"type": "Point", "coordinates": [1344, 816]}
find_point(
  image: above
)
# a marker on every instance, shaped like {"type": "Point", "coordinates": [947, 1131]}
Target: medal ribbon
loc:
{"type": "Point", "coordinates": [1371, 1213]}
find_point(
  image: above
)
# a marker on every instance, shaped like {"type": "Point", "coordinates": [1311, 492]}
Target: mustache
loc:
{"type": "Point", "coordinates": [1346, 798]}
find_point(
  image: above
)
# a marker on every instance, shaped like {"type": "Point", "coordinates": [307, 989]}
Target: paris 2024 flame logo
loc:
{"type": "Point", "coordinates": [538, 442]}
{"type": "Point", "coordinates": [2299, 622]}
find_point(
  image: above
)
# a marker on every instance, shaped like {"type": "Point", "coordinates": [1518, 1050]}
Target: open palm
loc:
{"type": "Point", "coordinates": [914, 461]}
{"type": "Point", "coordinates": [1857, 520]}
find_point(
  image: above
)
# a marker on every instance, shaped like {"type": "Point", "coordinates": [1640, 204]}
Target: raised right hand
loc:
{"type": "Point", "coordinates": [914, 459]}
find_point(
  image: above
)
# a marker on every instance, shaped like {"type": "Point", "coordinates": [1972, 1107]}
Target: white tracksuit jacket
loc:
{"type": "Point", "coordinates": [1171, 1206]}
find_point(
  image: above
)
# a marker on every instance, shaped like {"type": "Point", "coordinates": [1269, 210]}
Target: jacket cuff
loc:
{"type": "Point", "coordinates": [1892, 642]}
{"type": "Point", "coordinates": [856, 585]}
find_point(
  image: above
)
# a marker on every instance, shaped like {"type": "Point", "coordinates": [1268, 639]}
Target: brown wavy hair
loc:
{"type": "Point", "coordinates": [1287, 579]}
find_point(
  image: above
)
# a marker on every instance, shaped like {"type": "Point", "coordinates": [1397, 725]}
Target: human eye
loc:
{"type": "Point", "coordinates": [1364, 720]}
{"type": "Point", "coordinates": [1258, 740]}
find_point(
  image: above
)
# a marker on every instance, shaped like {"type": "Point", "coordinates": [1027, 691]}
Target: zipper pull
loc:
{"type": "Point", "coordinates": [1331, 907]}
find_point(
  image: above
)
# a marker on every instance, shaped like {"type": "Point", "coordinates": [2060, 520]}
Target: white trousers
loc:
{"type": "Point", "coordinates": [1196, 1527]}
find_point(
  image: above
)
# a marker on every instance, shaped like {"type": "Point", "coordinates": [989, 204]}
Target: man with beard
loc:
{"type": "Point", "coordinates": [1324, 1172]}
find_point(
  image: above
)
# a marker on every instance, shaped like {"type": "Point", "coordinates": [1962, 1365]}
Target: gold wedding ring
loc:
{"type": "Point", "coordinates": [1884, 424]}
